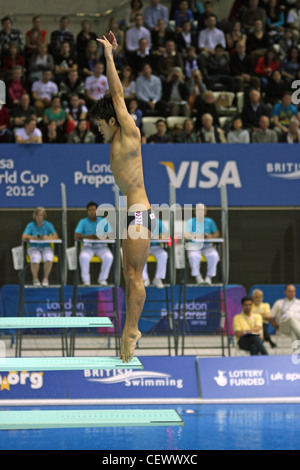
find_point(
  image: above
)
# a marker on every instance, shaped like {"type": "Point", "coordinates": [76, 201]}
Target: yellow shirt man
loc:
{"type": "Point", "coordinates": [244, 323]}
{"type": "Point", "coordinates": [263, 309]}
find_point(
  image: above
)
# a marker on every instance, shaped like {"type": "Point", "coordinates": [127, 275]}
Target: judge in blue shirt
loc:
{"type": "Point", "coordinates": [40, 229]}
{"type": "Point", "coordinates": [161, 256]}
{"type": "Point", "coordinates": [87, 230]}
{"type": "Point", "coordinates": [193, 228]}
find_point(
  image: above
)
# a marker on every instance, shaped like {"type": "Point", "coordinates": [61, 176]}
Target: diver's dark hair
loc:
{"type": "Point", "coordinates": [104, 109]}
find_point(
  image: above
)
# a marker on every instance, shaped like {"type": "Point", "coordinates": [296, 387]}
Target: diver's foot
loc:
{"type": "Point", "coordinates": [128, 344]}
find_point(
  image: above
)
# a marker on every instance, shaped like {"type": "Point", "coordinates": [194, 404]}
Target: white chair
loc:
{"type": "Point", "coordinates": [173, 120]}
{"type": "Point", "coordinates": [283, 344]}
{"type": "Point", "coordinates": [228, 110]}
{"type": "Point", "coordinates": [149, 125]}
{"type": "Point", "coordinates": [240, 101]}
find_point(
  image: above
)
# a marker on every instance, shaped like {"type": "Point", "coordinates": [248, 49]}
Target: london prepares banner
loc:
{"type": "Point", "coordinates": [255, 174]}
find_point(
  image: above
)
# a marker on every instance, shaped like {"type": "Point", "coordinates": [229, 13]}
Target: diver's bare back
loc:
{"type": "Point", "coordinates": [127, 167]}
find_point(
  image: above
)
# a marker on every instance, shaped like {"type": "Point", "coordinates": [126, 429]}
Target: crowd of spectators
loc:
{"type": "Point", "coordinates": [172, 62]}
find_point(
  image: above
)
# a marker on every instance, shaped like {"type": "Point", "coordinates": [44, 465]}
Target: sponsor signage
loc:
{"type": "Point", "coordinates": [249, 377]}
{"type": "Point", "coordinates": [255, 174]}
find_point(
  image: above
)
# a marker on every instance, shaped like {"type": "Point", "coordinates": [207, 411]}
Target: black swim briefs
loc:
{"type": "Point", "coordinates": [145, 218]}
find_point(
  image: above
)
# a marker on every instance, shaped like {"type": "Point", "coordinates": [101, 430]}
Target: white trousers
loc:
{"type": "Point", "coordinates": [212, 259]}
{"type": "Point", "coordinates": [85, 257]}
{"type": "Point", "coordinates": [291, 327]}
{"type": "Point", "coordinates": [161, 257]}
{"type": "Point", "coordinates": [36, 255]}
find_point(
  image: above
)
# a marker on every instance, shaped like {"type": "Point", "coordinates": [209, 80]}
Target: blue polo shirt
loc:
{"type": "Point", "coordinates": [159, 231]}
{"type": "Point", "coordinates": [89, 227]}
{"type": "Point", "coordinates": [197, 227]}
{"type": "Point", "coordinates": [32, 229]}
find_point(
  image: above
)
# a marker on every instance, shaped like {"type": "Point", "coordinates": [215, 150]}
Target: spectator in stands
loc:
{"type": "Point", "coordinates": [257, 42]}
{"type": "Point", "coordinates": [29, 134]}
{"type": "Point", "coordinates": [248, 329]}
{"type": "Point", "coordinates": [142, 56]}
{"type": "Point", "coordinates": [9, 35]}
{"type": "Point", "coordinates": [209, 133]}
{"type": "Point", "coordinates": [160, 255]}
{"type": "Point", "coordinates": [135, 33]}
{"type": "Point", "coordinates": [242, 70]}
{"type": "Point", "coordinates": [293, 20]}
{"type": "Point", "coordinates": [209, 38]}
{"type": "Point", "coordinates": [263, 309]}
{"type": "Point", "coordinates": [55, 113]}
{"type": "Point", "coordinates": [161, 136]}
{"type": "Point", "coordinates": [283, 112]}
{"type": "Point", "coordinates": [16, 87]}
{"type": "Point", "coordinates": [39, 61]}
{"type": "Point", "coordinates": [264, 135]}
{"type": "Point", "coordinates": [286, 314]}
{"type": "Point", "coordinates": [275, 89]}
{"type": "Point", "coordinates": [206, 105]}
{"type": "Point", "coordinates": [40, 229]}
{"type": "Point", "coordinates": [186, 38]}
{"type": "Point", "coordinates": [96, 86]}
{"type": "Point", "coordinates": [83, 39]}
{"type": "Point", "coordinates": [183, 14]}
{"type": "Point", "coordinates": [238, 135]}
{"type": "Point", "coordinates": [286, 42]}
{"type": "Point", "coordinates": [135, 8]}
{"type": "Point", "coordinates": [62, 34]}
{"type": "Point", "coordinates": [218, 69]}
{"type": "Point", "coordinates": [197, 89]}
{"type": "Point", "coordinates": [160, 36]}
{"type": "Point", "coordinates": [149, 92]}
{"type": "Point", "coordinates": [190, 62]}
{"type": "Point", "coordinates": [42, 91]}
{"type": "Point", "coordinates": [89, 59]}
{"type": "Point", "coordinates": [154, 12]}
{"type": "Point", "coordinates": [35, 37]}
{"type": "Point", "coordinates": [64, 62]}
{"type": "Point", "coordinates": [293, 134]}
{"type": "Point", "coordinates": [135, 112]}
{"type": "Point", "coordinates": [187, 135]}
{"type": "Point", "coordinates": [202, 17]}
{"type": "Point", "coordinates": [128, 82]}
{"type": "Point", "coordinates": [75, 113]}
{"type": "Point", "coordinates": [52, 135]}
{"type": "Point", "coordinates": [290, 65]}
{"type": "Point", "coordinates": [194, 230]}
{"type": "Point", "coordinates": [119, 55]}
{"type": "Point", "coordinates": [251, 14]}
{"type": "Point", "coordinates": [265, 66]}
{"type": "Point", "coordinates": [170, 59]}
{"type": "Point", "coordinates": [253, 109]}
{"type": "Point", "coordinates": [275, 18]}
{"type": "Point", "coordinates": [72, 84]}
{"type": "Point", "coordinates": [87, 230]}
{"type": "Point", "coordinates": [176, 93]}
{"type": "Point", "coordinates": [6, 136]}
{"type": "Point", "coordinates": [22, 111]}
{"type": "Point", "coordinates": [81, 135]}
{"type": "Point", "coordinates": [11, 60]}
{"type": "Point", "coordinates": [175, 6]}
{"type": "Point", "coordinates": [235, 36]}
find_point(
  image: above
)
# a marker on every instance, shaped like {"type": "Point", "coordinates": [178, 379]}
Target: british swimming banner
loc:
{"type": "Point", "coordinates": [255, 174]}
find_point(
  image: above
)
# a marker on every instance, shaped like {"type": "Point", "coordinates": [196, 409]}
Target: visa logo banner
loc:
{"type": "Point", "coordinates": [207, 175]}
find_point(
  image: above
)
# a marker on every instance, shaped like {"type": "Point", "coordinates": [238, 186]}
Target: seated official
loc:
{"type": "Point", "coordinates": [40, 229]}
{"type": "Point", "coordinates": [263, 309]}
{"type": "Point", "coordinates": [194, 228]}
{"type": "Point", "coordinates": [286, 314]}
{"type": "Point", "coordinates": [87, 229]}
{"type": "Point", "coordinates": [248, 329]}
{"type": "Point", "coordinates": [161, 256]}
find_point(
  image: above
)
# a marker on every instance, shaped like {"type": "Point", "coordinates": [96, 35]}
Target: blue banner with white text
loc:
{"type": "Point", "coordinates": [255, 174]}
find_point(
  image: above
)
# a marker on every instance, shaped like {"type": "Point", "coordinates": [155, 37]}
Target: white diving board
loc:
{"type": "Point", "coordinates": [54, 322]}
{"type": "Point", "coordinates": [41, 364]}
{"type": "Point", "coordinates": [87, 418]}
